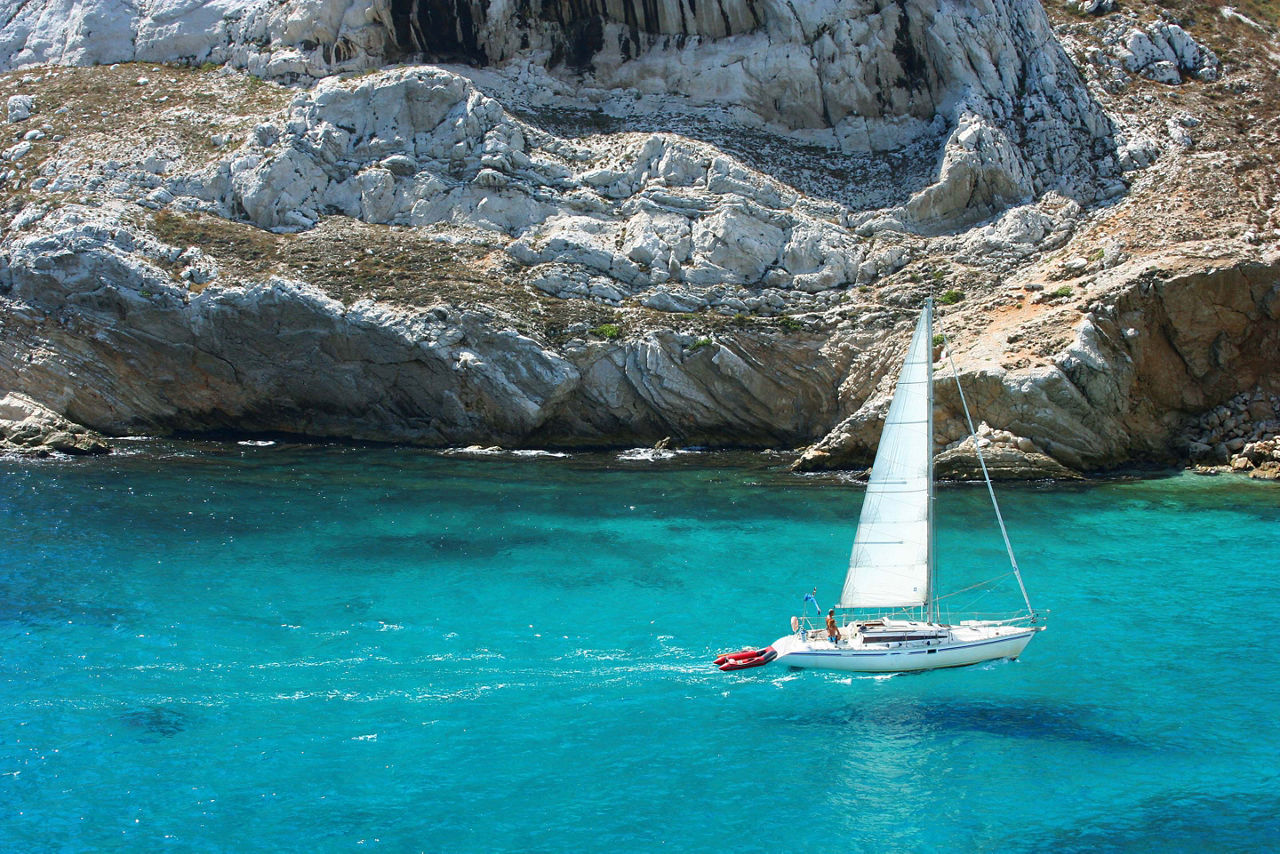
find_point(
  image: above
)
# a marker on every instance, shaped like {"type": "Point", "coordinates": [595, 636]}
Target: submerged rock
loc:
{"type": "Point", "coordinates": [157, 721]}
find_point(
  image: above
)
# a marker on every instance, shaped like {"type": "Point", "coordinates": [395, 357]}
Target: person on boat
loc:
{"type": "Point", "coordinates": [833, 633]}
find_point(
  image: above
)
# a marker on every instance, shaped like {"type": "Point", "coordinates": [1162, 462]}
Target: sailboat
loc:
{"type": "Point", "coordinates": [891, 618]}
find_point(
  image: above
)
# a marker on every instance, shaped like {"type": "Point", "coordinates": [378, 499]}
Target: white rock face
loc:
{"type": "Point", "coordinates": [982, 172]}
{"type": "Point", "coordinates": [923, 117]}
{"type": "Point", "coordinates": [674, 222]}
{"type": "Point", "coordinates": [432, 376]}
{"type": "Point", "coordinates": [96, 325]}
{"type": "Point", "coordinates": [852, 75]}
{"type": "Point", "coordinates": [423, 145]}
{"type": "Point", "coordinates": [1161, 51]}
{"type": "Point", "coordinates": [259, 35]}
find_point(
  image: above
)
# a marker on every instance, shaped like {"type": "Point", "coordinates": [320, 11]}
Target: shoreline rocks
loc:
{"type": "Point", "coordinates": [1006, 456]}
{"type": "Point", "coordinates": [1241, 435]}
{"type": "Point", "coordinates": [29, 427]}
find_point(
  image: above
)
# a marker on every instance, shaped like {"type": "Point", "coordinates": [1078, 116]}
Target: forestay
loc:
{"type": "Point", "coordinates": [890, 564]}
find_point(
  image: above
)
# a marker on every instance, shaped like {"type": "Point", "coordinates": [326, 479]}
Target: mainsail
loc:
{"type": "Point", "coordinates": [890, 565]}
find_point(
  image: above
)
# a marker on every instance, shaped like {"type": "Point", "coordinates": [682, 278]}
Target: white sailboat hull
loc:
{"type": "Point", "coordinates": [928, 647]}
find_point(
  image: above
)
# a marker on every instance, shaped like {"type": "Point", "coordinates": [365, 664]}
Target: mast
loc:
{"type": "Point", "coordinates": [931, 591]}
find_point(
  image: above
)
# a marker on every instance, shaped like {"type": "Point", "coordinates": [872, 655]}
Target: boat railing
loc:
{"type": "Point", "coordinates": [810, 623]}
{"type": "Point", "coordinates": [990, 617]}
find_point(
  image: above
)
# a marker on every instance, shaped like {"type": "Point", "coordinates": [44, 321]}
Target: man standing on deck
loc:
{"type": "Point", "coordinates": [833, 633]}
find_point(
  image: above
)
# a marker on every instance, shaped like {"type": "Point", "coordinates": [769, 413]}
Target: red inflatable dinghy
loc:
{"type": "Point", "coordinates": [746, 658]}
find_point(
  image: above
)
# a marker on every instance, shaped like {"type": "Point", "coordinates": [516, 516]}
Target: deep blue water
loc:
{"type": "Point", "coordinates": [228, 648]}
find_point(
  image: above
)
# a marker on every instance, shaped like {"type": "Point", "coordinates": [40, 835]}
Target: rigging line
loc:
{"type": "Point", "coordinates": [971, 604]}
{"type": "Point", "coordinates": [987, 592]}
{"type": "Point", "coordinates": [987, 477]}
{"type": "Point", "coordinates": [901, 611]}
{"type": "Point", "coordinates": [975, 586]}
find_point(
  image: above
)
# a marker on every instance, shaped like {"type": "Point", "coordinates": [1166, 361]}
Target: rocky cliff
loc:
{"type": "Point", "coordinates": [601, 224]}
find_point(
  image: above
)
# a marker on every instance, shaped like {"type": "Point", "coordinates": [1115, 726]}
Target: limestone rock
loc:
{"type": "Point", "coordinates": [1002, 462]}
{"type": "Point", "coordinates": [852, 75]}
{"type": "Point", "coordinates": [1096, 7]}
{"type": "Point", "coordinates": [759, 194]}
{"type": "Point", "coordinates": [416, 146]}
{"type": "Point", "coordinates": [27, 426]}
{"type": "Point", "coordinates": [663, 299]}
{"type": "Point", "coordinates": [107, 333]}
{"type": "Point", "coordinates": [1083, 410]}
{"type": "Point", "coordinates": [982, 173]}
{"type": "Point", "coordinates": [1162, 51]}
{"type": "Point", "coordinates": [20, 108]}
{"type": "Point", "coordinates": [1266, 471]}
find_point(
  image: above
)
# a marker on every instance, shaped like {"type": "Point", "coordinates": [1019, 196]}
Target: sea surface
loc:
{"type": "Point", "coordinates": [234, 647]}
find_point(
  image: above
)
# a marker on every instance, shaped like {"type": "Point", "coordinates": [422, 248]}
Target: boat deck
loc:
{"type": "Point", "coordinates": [881, 646]}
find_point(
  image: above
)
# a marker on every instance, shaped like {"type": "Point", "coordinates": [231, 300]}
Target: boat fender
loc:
{"type": "Point", "coordinates": [795, 624]}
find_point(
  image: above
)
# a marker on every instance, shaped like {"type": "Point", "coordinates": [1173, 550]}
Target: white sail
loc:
{"type": "Point", "coordinates": [890, 564]}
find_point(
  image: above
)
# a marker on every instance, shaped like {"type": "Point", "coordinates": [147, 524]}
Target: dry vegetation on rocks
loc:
{"type": "Point", "coordinates": [96, 122]}
{"type": "Point", "coordinates": [1029, 297]}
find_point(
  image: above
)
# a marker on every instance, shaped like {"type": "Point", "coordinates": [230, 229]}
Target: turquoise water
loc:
{"type": "Point", "coordinates": [227, 648]}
